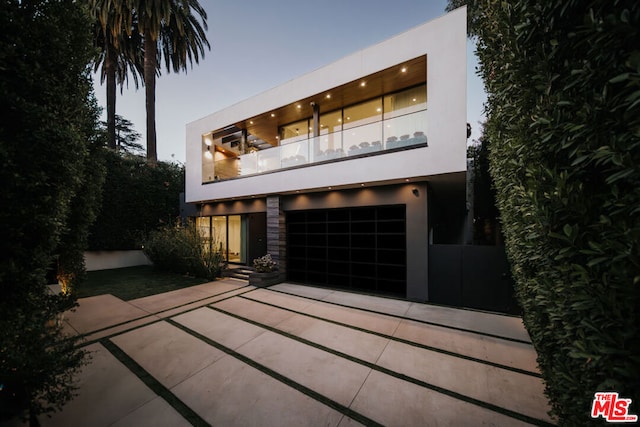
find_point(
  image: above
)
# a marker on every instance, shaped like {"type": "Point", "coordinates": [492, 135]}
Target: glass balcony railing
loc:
{"type": "Point", "coordinates": [373, 138]}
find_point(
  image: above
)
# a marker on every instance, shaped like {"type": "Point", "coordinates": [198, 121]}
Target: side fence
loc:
{"type": "Point", "coordinates": [471, 276]}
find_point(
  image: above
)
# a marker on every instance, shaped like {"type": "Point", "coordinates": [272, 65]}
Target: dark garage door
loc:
{"type": "Point", "coordinates": [361, 248]}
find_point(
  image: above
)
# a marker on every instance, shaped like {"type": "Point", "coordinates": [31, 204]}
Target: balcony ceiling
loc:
{"type": "Point", "coordinates": [265, 126]}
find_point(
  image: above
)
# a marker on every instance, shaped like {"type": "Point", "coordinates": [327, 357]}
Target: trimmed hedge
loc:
{"type": "Point", "coordinates": [48, 138]}
{"type": "Point", "coordinates": [563, 83]}
{"type": "Point", "coordinates": [138, 197]}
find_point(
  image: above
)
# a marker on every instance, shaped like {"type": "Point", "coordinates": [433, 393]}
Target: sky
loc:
{"type": "Point", "coordinates": [257, 45]}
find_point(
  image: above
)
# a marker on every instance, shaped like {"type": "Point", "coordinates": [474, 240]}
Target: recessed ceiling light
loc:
{"type": "Point", "coordinates": [299, 106]}
{"type": "Point", "coordinates": [361, 185]}
{"type": "Point", "coordinates": [404, 69]}
{"type": "Point", "coordinates": [329, 188]}
{"type": "Point", "coordinates": [407, 180]}
{"type": "Point", "coordinates": [363, 84]}
{"type": "Point", "coordinates": [251, 122]}
{"type": "Point", "coordinates": [378, 109]}
{"type": "Point", "coordinates": [339, 120]}
{"type": "Point", "coordinates": [273, 114]}
{"type": "Point", "coordinates": [414, 100]}
{"type": "Point", "coordinates": [328, 96]}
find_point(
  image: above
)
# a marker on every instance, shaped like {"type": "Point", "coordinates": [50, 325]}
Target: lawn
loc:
{"type": "Point", "coordinates": [133, 282]}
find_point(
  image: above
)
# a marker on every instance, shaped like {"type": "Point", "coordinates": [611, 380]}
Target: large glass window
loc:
{"type": "Point", "coordinates": [363, 113]}
{"type": "Point", "coordinates": [363, 127]}
{"type": "Point", "coordinates": [219, 232]}
{"type": "Point", "coordinates": [405, 102]}
{"type": "Point", "coordinates": [331, 122]}
{"type": "Point", "coordinates": [226, 234]}
{"type": "Point", "coordinates": [389, 121]}
{"type": "Point", "coordinates": [235, 234]}
{"type": "Point", "coordinates": [294, 132]}
{"type": "Point", "coordinates": [203, 225]}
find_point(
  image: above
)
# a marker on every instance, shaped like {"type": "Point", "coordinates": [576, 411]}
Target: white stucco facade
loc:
{"type": "Point", "coordinates": [442, 40]}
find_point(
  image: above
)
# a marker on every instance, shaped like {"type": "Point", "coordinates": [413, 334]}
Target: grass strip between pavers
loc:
{"type": "Point", "coordinates": [426, 322]}
{"type": "Point", "coordinates": [447, 392]}
{"type": "Point", "coordinates": [283, 379]}
{"type": "Point", "coordinates": [185, 411]}
{"type": "Point", "coordinates": [400, 340]}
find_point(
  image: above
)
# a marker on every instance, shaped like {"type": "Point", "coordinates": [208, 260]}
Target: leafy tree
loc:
{"type": "Point", "coordinates": [173, 33]}
{"type": "Point", "coordinates": [120, 52]}
{"type": "Point", "coordinates": [563, 83]}
{"type": "Point", "coordinates": [47, 140]}
{"type": "Point", "coordinates": [126, 136]}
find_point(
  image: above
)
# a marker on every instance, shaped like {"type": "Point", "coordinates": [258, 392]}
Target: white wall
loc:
{"type": "Point", "coordinates": [443, 40]}
{"type": "Point", "coordinates": [106, 260]}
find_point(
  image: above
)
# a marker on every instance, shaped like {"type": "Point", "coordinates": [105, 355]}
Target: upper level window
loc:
{"type": "Point", "coordinates": [294, 132]}
{"type": "Point", "coordinates": [330, 122]}
{"type": "Point", "coordinates": [405, 102]}
{"type": "Point", "coordinates": [363, 113]}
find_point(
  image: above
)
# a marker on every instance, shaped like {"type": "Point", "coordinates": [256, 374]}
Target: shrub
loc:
{"type": "Point", "coordinates": [563, 83]}
{"type": "Point", "coordinates": [183, 250]}
{"type": "Point", "coordinates": [264, 264]}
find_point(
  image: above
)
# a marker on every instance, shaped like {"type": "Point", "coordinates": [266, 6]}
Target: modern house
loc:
{"type": "Point", "coordinates": [347, 175]}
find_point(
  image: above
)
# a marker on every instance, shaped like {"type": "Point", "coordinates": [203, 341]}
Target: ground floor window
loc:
{"type": "Point", "coordinates": [226, 233]}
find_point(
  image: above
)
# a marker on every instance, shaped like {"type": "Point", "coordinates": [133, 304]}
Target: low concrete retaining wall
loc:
{"type": "Point", "coordinates": [106, 260]}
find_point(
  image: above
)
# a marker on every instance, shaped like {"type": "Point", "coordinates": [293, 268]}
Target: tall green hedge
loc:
{"type": "Point", "coordinates": [137, 198]}
{"type": "Point", "coordinates": [47, 140]}
{"type": "Point", "coordinates": [563, 83]}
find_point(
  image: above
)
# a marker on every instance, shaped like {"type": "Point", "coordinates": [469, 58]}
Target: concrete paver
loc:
{"type": "Point", "coordinates": [231, 393]}
{"type": "Point", "coordinates": [508, 353]}
{"type": "Point", "coordinates": [100, 312]}
{"type": "Point", "coordinates": [248, 309]}
{"type": "Point", "coordinates": [511, 390]}
{"type": "Point", "coordinates": [332, 376]}
{"type": "Point", "coordinates": [226, 330]}
{"type": "Point", "coordinates": [108, 392]}
{"type": "Point", "coordinates": [393, 402]}
{"type": "Point", "coordinates": [364, 346]}
{"type": "Point", "coordinates": [157, 413]}
{"type": "Point", "coordinates": [235, 355]}
{"type": "Point", "coordinates": [183, 355]}
{"type": "Point", "coordinates": [489, 323]}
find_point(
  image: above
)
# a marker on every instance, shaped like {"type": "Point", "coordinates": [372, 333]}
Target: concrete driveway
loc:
{"type": "Point", "coordinates": [228, 354]}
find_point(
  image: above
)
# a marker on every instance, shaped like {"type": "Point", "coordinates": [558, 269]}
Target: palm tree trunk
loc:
{"type": "Point", "coordinates": [150, 58]}
{"type": "Point", "coordinates": [110, 65]}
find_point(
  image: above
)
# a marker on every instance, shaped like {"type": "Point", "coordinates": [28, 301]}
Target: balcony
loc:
{"type": "Point", "coordinates": [393, 133]}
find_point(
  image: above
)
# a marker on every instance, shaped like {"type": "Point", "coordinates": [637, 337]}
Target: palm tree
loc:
{"type": "Point", "coordinates": [171, 33]}
{"type": "Point", "coordinates": [121, 52]}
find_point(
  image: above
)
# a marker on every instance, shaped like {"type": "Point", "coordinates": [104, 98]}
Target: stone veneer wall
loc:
{"type": "Point", "coordinates": [276, 233]}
